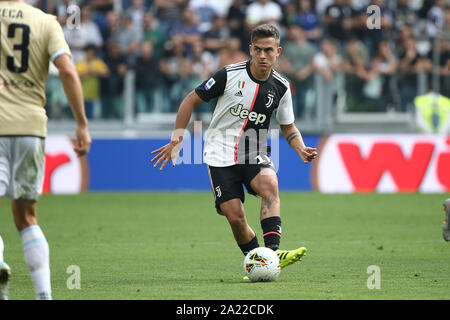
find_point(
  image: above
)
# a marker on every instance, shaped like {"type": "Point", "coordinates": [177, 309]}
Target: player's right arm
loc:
{"type": "Point", "coordinates": [72, 87]}
{"type": "Point", "coordinates": [209, 89]}
{"type": "Point", "coordinates": [171, 150]}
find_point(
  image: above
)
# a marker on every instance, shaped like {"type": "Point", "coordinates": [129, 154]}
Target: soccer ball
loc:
{"type": "Point", "coordinates": [262, 264]}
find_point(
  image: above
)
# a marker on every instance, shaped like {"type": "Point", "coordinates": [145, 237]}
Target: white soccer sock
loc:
{"type": "Point", "coordinates": [2, 247]}
{"type": "Point", "coordinates": [36, 253]}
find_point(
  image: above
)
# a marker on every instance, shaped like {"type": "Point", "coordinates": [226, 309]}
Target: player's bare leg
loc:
{"type": "Point", "coordinates": [243, 234]}
{"type": "Point", "coordinates": [24, 213]}
{"type": "Point", "coordinates": [265, 184]}
{"type": "Point", "coordinates": [35, 246]}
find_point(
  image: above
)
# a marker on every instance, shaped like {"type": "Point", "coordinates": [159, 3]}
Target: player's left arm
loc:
{"type": "Point", "coordinates": [295, 140]}
{"type": "Point", "coordinates": [285, 118]}
{"type": "Point", "coordinates": [59, 52]}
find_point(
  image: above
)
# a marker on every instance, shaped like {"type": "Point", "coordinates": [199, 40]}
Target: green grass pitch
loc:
{"type": "Point", "coordinates": [174, 246]}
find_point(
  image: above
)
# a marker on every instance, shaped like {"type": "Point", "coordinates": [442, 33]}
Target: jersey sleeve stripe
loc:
{"type": "Point", "coordinates": [57, 54]}
{"type": "Point", "coordinates": [277, 76]}
{"type": "Point", "coordinates": [235, 69]}
{"type": "Point", "coordinates": [243, 63]}
{"type": "Point", "coordinates": [235, 66]}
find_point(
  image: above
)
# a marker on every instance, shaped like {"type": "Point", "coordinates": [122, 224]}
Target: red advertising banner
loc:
{"type": "Point", "coordinates": [383, 163]}
{"type": "Point", "coordinates": [65, 173]}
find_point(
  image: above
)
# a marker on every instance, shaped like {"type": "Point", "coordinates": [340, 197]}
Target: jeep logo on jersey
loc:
{"type": "Point", "coordinates": [242, 113]}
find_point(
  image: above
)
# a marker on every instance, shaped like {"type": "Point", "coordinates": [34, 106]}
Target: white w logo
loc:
{"type": "Point", "coordinates": [219, 192]}
{"type": "Point", "coordinates": [269, 103]}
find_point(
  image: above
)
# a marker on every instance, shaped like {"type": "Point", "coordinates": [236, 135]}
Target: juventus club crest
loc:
{"type": "Point", "coordinates": [270, 97]}
{"type": "Point", "coordinates": [219, 192]}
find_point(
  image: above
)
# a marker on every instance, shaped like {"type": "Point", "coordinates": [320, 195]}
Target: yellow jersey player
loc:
{"type": "Point", "coordinates": [29, 39]}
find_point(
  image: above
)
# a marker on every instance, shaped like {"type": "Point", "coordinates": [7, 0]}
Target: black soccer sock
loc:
{"type": "Point", "coordinates": [246, 248]}
{"type": "Point", "coordinates": [271, 232]}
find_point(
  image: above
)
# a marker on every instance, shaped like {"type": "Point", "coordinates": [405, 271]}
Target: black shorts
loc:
{"type": "Point", "coordinates": [227, 182]}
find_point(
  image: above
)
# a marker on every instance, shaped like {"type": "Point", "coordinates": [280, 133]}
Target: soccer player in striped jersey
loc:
{"type": "Point", "coordinates": [235, 151]}
{"type": "Point", "coordinates": [29, 38]}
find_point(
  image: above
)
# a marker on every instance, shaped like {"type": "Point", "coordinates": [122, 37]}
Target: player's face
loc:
{"type": "Point", "coordinates": [264, 52]}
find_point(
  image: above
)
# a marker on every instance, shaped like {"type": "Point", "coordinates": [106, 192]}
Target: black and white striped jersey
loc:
{"type": "Point", "coordinates": [241, 118]}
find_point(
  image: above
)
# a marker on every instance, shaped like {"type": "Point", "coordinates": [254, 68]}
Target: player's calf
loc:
{"type": "Point", "coordinates": [36, 254]}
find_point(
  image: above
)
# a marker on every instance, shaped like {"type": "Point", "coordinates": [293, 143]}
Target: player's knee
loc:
{"type": "Point", "coordinates": [235, 215]}
{"type": "Point", "coordinates": [237, 220]}
{"type": "Point", "coordinates": [269, 189]}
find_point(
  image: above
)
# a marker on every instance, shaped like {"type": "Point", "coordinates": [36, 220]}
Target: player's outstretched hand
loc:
{"type": "Point", "coordinates": [308, 154]}
{"type": "Point", "coordinates": [168, 152]}
{"type": "Point", "coordinates": [83, 143]}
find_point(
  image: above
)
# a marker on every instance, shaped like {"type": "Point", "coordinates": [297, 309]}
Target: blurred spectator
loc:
{"type": "Point", "coordinates": [289, 14]}
{"type": "Point", "coordinates": [183, 41]}
{"type": "Point", "coordinates": [436, 18]}
{"type": "Point", "coordinates": [308, 20]}
{"type": "Point", "coordinates": [188, 28]}
{"type": "Point", "coordinates": [263, 11]}
{"type": "Point", "coordinates": [57, 106]}
{"type": "Point", "coordinates": [338, 20]}
{"type": "Point", "coordinates": [204, 62]}
{"type": "Point", "coordinates": [90, 70]}
{"type": "Point", "coordinates": [321, 6]}
{"type": "Point", "coordinates": [447, 20]}
{"type": "Point", "coordinates": [147, 78]}
{"type": "Point", "coordinates": [232, 53]}
{"type": "Point", "coordinates": [170, 66]}
{"type": "Point", "coordinates": [101, 6]}
{"type": "Point", "coordinates": [361, 82]}
{"type": "Point", "coordinates": [136, 12]}
{"type": "Point", "coordinates": [404, 34]}
{"type": "Point", "coordinates": [128, 39]}
{"type": "Point", "coordinates": [189, 79]}
{"type": "Point", "coordinates": [168, 12]}
{"type": "Point", "coordinates": [356, 59]}
{"type": "Point", "coordinates": [444, 66]}
{"type": "Point", "coordinates": [236, 22]}
{"type": "Point", "coordinates": [217, 7]}
{"type": "Point", "coordinates": [216, 38]}
{"type": "Point", "coordinates": [154, 34]}
{"type": "Point", "coordinates": [404, 15]}
{"type": "Point", "coordinates": [207, 10]}
{"type": "Point", "coordinates": [328, 62]}
{"type": "Point", "coordinates": [129, 3]}
{"type": "Point", "coordinates": [112, 87]}
{"type": "Point", "coordinates": [384, 64]}
{"type": "Point", "coordinates": [299, 54]}
{"type": "Point", "coordinates": [60, 8]}
{"type": "Point", "coordinates": [87, 33]}
{"type": "Point", "coordinates": [410, 65]}
{"type": "Point", "coordinates": [112, 26]}
{"type": "Point", "coordinates": [374, 35]}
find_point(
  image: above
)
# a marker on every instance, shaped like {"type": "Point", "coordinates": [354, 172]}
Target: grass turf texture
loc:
{"type": "Point", "coordinates": [174, 246]}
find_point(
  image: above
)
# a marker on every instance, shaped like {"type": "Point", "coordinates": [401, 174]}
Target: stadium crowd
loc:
{"type": "Point", "coordinates": [173, 45]}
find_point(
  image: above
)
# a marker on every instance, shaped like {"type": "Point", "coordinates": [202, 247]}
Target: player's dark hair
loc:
{"type": "Point", "coordinates": [265, 31]}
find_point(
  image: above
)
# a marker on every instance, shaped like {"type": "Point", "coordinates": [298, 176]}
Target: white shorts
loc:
{"type": "Point", "coordinates": [22, 164]}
